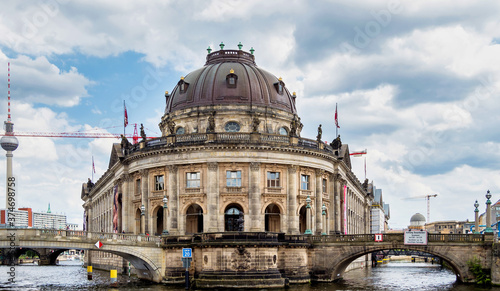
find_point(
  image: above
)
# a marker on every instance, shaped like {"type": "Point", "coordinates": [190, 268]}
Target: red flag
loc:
{"type": "Point", "coordinates": [125, 121]}
{"type": "Point", "coordinates": [336, 117]}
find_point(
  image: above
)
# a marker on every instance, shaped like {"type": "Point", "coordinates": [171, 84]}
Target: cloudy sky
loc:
{"type": "Point", "coordinates": [416, 84]}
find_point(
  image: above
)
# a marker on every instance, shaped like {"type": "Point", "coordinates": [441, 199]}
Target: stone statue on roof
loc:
{"type": "Point", "coordinates": [125, 144]}
{"type": "Point", "coordinates": [211, 123]}
{"type": "Point", "coordinates": [336, 143]}
{"type": "Point", "coordinates": [293, 126]}
{"type": "Point", "coordinates": [143, 133]}
{"type": "Point", "coordinates": [320, 133]}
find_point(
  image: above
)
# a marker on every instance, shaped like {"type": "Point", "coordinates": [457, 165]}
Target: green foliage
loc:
{"type": "Point", "coordinates": [483, 277]}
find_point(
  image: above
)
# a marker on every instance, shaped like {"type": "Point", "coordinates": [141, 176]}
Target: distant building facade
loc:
{"type": "Point", "coordinates": [26, 218]}
{"type": "Point", "coordinates": [379, 211]}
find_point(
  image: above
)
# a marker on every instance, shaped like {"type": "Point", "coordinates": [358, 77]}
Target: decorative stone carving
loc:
{"type": "Point", "coordinates": [254, 166]}
{"type": "Point", "coordinates": [172, 168]}
{"type": "Point", "coordinates": [241, 259]}
{"type": "Point", "coordinates": [292, 169]}
{"type": "Point", "coordinates": [320, 172]}
{"type": "Point", "coordinates": [144, 172]}
{"type": "Point", "coordinates": [126, 177]}
{"type": "Point", "coordinates": [212, 166]}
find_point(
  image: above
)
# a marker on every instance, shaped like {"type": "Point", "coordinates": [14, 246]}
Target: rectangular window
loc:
{"type": "Point", "coordinates": [304, 182]}
{"type": "Point", "coordinates": [159, 184]}
{"type": "Point", "coordinates": [273, 179]}
{"type": "Point", "coordinates": [324, 186]}
{"type": "Point", "coordinates": [138, 186]}
{"type": "Point", "coordinates": [233, 178]}
{"type": "Point", "coordinates": [193, 180]}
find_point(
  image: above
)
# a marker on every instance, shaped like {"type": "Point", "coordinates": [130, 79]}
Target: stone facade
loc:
{"type": "Point", "coordinates": [225, 151]}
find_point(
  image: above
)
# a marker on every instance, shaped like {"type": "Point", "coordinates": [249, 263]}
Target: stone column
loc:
{"type": "Point", "coordinates": [319, 201]}
{"type": "Point", "coordinates": [173, 199]}
{"type": "Point", "coordinates": [212, 197]}
{"type": "Point", "coordinates": [145, 196]}
{"type": "Point", "coordinates": [293, 218]}
{"type": "Point", "coordinates": [254, 194]}
{"type": "Point", "coordinates": [125, 178]}
{"type": "Point", "coordinates": [476, 219]}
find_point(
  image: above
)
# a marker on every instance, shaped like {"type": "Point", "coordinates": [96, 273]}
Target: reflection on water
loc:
{"type": "Point", "coordinates": [71, 275]}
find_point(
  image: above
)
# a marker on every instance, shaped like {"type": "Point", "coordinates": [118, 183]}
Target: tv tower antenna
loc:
{"type": "Point", "coordinates": [9, 143]}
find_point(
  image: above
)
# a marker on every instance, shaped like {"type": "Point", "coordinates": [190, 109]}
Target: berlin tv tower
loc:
{"type": "Point", "coordinates": [9, 143]}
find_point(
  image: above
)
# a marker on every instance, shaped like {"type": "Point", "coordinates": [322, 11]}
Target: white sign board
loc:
{"type": "Point", "coordinates": [415, 237]}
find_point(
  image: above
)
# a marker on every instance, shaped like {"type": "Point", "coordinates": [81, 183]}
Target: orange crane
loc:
{"type": "Point", "coordinates": [428, 198]}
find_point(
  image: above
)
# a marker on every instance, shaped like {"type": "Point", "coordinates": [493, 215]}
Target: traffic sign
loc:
{"type": "Point", "coordinates": [98, 244]}
{"type": "Point", "coordinates": [378, 237]}
{"type": "Point", "coordinates": [187, 253]}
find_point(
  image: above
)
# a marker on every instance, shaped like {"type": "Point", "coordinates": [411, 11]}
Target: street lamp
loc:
{"type": "Point", "coordinates": [308, 215]}
{"type": "Point", "coordinates": [165, 207]}
{"type": "Point", "coordinates": [143, 219]}
{"type": "Point", "coordinates": [488, 213]}
{"type": "Point", "coordinates": [323, 213]}
{"type": "Point", "coordinates": [476, 219]}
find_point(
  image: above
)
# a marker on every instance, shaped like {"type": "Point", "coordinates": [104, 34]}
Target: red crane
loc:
{"type": "Point", "coordinates": [134, 137]}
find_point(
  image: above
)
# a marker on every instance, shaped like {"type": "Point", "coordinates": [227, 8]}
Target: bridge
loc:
{"type": "Point", "coordinates": [219, 257]}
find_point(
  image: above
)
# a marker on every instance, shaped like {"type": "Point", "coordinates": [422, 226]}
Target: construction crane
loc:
{"type": "Point", "coordinates": [134, 137]}
{"type": "Point", "coordinates": [428, 198]}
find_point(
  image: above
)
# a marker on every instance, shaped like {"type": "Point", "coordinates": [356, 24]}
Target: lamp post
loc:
{"type": "Point", "coordinates": [308, 215]}
{"type": "Point", "coordinates": [143, 219]}
{"type": "Point", "coordinates": [476, 220]}
{"type": "Point", "coordinates": [323, 213]}
{"type": "Point", "coordinates": [165, 207]}
{"type": "Point", "coordinates": [488, 213]}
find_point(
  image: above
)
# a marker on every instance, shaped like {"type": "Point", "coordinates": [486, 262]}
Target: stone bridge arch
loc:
{"type": "Point", "coordinates": [145, 256]}
{"type": "Point", "coordinates": [345, 255]}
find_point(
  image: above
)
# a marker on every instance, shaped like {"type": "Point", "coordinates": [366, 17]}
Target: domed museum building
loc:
{"type": "Point", "coordinates": [231, 158]}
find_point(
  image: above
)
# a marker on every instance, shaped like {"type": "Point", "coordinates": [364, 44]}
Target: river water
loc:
{"type": "Point", "coordinates": [392, 276]}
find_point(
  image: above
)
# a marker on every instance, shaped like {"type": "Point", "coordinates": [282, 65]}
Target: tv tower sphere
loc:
{"type": "Point", "coordinates": [9, 142]}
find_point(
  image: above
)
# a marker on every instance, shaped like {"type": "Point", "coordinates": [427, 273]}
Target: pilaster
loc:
{"type": "Point", "coordinates": [293, 217]}
{"type": "Point", "coordinates": [319, 201]}
{"type": "Point", "coordinates": [254, 198]}
{"type": "Point", "coordinates": [173, 193]}
{"type": "Point", "coordinates": [212, 196]}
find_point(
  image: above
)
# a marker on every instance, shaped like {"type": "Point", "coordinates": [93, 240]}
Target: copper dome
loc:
{"type": "Point", "coordinates": [230, 77]}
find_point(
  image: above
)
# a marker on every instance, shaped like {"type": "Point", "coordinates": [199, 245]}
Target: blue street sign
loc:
{"type": "Point", "coordinates": [187, 253]}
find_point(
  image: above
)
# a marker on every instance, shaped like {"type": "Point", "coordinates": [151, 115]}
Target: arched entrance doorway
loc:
{"type": "Point", "coordinates": [159, 220]}
{"type": "Point", "coordinates": [194, 219]}
{"type": "Point", "coordinates": [272, 218]}
{"type": "Point", "coordinates": [137, 221]}
{"type": "Point", "coordinates": [302, 219]}
{"type": "Point", "coordinates": [231, 216]}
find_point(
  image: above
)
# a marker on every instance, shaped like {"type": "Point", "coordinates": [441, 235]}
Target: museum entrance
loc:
{"type": "Point", "coordinates": [137, 221]}
{"type": "Point", "coordinates": [159, 220]}
{"type": "Point", "coordinates": [302, 219]}
{"type": "Point", "coordinates": [194, 219]}
{"type": "Point", "coordinates": [272, 218]}
{"type": "Point", "coordinates": [231, 216]}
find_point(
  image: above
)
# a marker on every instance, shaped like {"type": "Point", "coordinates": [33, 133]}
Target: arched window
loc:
{"type": "Point", "coordinates": [280, 86]}
{"type": "Point", "coordinates": [231, 79]}
{"type": "Point", "coordinates": [302, 219]}
{"type": "Point", "coordinates": [232, 126]}
{"type": "Point", "coordinates": [233, 218]}
{"type": "Point", "coordinates": [180, 130]}
{"type": "Point", "coordinates": [283, 131]}
{"type": "Point", "coordinates": [183, 85]}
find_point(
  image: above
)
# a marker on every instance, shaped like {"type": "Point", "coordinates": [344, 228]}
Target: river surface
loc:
{"type": "Point", "coordinates": [392, 276]}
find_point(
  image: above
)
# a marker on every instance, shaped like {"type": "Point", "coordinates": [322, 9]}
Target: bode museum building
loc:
{"type": "Point", "coordinates": [231, 158]}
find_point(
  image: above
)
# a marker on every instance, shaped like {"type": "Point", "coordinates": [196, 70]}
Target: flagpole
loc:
{"type": "Point", "coordinates": [124, 112]}
{"type": "Point", "coordinates": [92, 170]}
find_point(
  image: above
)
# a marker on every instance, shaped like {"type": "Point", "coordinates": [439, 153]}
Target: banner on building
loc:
{"type": "Point", "coordinates": [115, 209]}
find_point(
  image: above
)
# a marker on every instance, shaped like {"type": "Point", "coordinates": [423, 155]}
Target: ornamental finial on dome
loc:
{"type": "Point", "coordinates": [240, 45]}
{"type": "Point", "coordinates": [280, 79]}
{"type": "Point", "coordinates": [251, 50]}
{"type": "Point", "coordinates": [221, 45]}
{"type": "Point", "coordinates": [182, 77]}
{"type": "Point", "coordinates": [231, 71]}
{"type": "Point", "coordinates": [209, 50]}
